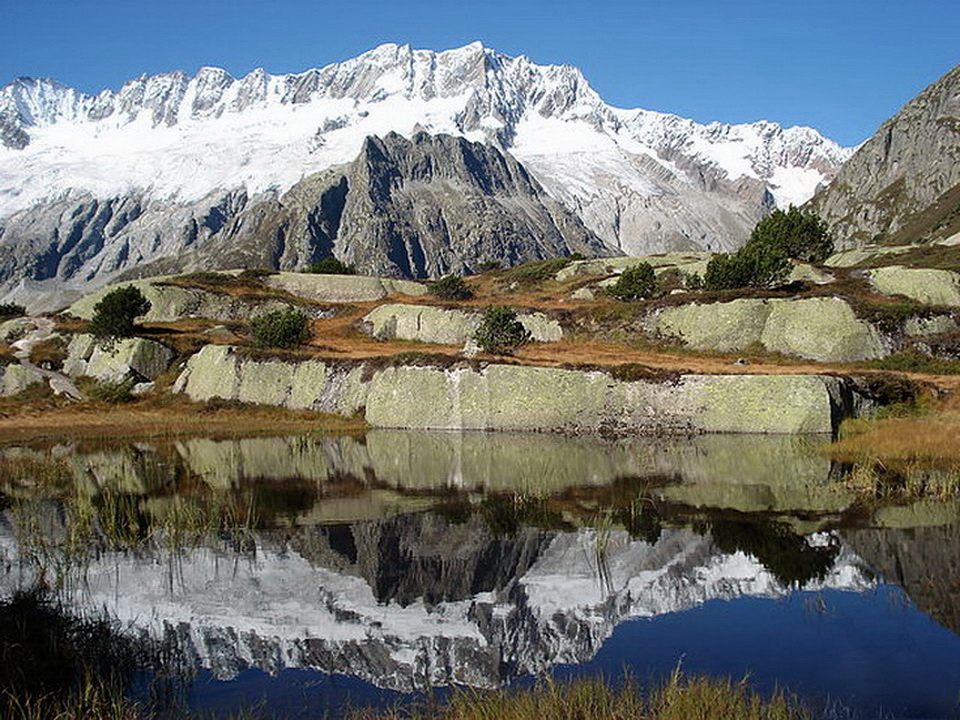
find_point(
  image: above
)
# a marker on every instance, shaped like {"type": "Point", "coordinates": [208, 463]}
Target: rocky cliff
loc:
{"type": "Point", "coordinates": [903, 184]}
{"type": "Point", "coordinates": [95, 185]}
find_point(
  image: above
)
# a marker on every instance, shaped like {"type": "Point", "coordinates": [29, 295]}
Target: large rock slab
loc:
{"type": "Point", "coordinates": [447, 326]}
{"type": "Point", "coordinates": [821, 329]}
{"type": "Point", "coordinates": [715, 326]}
{"type": "Point", "coordinates": [15, 379]}
{"type": "Point", "coordinates": [169, 303]}
{"type": "Point", "coordinates": [114, 362]}
{"type": "Point", "coordinates": [342, 288]}
{"type": "Point", "coordinates": [928, 286]}
{"type": "Point", "coordinates": [689, 262]}
{"type": "Point", "coordinates": [512, 397]}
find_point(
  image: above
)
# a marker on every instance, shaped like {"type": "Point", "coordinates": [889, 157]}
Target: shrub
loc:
{"type": "Point", "coordinates": [750, 266]}
{"type": "Point", "coordinates": [795, 234]}
{"type": "Point", "coordinates": [635, 283]}
{"type": "Point", "coordinates": [500, 332]}
{"type": "Point", "coordinates": [280, 328]}
{"type": "Point", "coordinates": [693, 281]}
{"type": "Point", "coordinates": [331, 266]}
{"type": "Point", "coordinates": [11, 310]}
{"type": "Point", "coordinates": [451, 287]}
{"type": "Point", "coordinates": [114, 315]}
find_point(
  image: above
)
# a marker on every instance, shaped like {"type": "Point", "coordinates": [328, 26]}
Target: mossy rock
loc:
{"type": "Point", "coordinates": [928, 286]}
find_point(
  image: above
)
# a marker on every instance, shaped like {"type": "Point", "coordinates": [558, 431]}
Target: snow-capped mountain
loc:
{"type": "Point", "coordinates": [173, 147]}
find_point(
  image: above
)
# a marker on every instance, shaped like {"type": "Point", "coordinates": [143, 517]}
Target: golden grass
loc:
{"type": "Point", "coordinates": [680, 698]}
{"type": "Point", "coordinates": [931, 436]}
{"type": "Point", "coordinates": [163, 416]}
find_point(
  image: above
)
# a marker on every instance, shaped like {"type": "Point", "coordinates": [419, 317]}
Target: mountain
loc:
{"type": "Point", "coordinates": [94, 186]}
{"type": "Point", "coordinates": [903, 184]}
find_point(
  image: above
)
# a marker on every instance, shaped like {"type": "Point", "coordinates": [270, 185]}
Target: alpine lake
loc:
{"type": "Point", "coordinates": [307, 576]}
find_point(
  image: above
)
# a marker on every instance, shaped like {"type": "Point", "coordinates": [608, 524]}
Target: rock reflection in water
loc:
{"type": "Point", "coordinates": [423, 559]}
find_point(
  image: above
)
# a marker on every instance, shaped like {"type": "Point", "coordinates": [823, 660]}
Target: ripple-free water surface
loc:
{"type": "Point", "coordinates": [305, 576]}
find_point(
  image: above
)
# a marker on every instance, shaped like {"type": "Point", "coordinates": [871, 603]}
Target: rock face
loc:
{"type": "Point", "coordinates": [821, 329]}
{"type": "Point", "coordinates": [132, 357]}
{"type": "Point", "coordinates": [77, 206]}
{"type": "Point", "coordinates": [169, 303]}
{"type": "Point", "coordinates": [507, 397]}
{"type": "Point", "coordinates": [903, 184]}
{"type": "Point", "coordinates": [425, 323]}
{"type": "Point", "coordinates": [420, 208]}
{"type": "Point", "coordinates": [16, 378]}
{"type": "Point", "coordinates": [342, 288]}
{"type": "Point", "coordinates": [928, 286]}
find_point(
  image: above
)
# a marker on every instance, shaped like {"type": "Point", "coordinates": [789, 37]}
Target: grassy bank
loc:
{"type": "Point", "coordinates": [39, 416]}
{"type": "Point", "coordinates": [907, 453]}
{"type": "Point", "coordinates": [680, 698]}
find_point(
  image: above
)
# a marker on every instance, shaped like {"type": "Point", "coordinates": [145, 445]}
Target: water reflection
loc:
{"type": "Point", "coordinates": [413, 560]}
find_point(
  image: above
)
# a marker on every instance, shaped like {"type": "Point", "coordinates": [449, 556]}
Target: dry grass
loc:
{"type": "Point", "coordinates": [929, 434]}
{"type": "Point", "coordinates": [164, 416]}
{"type": "Point", "coordinates": [681, 698]}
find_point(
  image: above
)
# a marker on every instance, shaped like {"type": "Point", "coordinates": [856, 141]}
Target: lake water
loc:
{"type": "Point", "coordinates": [308, 575]}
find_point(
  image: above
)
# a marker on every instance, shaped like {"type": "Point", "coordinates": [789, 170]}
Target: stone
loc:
{"type": "Point", "coordinates": [17, 378]}
{"type": "Point", "coordinates": [515, 397]}
{"type": "Point", "coordinates": [342, 288]}
{"type": "Point", "coordinates": [687, 262]}
{"type": "Point", "coordinates": [926, 326]}
{"type": "Point", "coordinates": [131, 356]}
{"type": "Point", "coordinates": [584, 293]}
{"type": "Point", "coordinates": [822, 329]}
{"type": "Point", "coordinates": [11, 330]}
{"type": "Point", "coordinates": [804, 272]}
{"type": "Point", "coordinates": [169, 303]}
{"type": "Point", "coordinates": [725, 326]}
{"type": "Point", "coordinates": [928, 286]}
{"type": "Point", "coordinates": [446, 326]}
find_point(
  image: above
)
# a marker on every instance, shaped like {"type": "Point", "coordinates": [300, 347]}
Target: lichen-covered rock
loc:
{"type": "Point", "coordinates": [689, 262]}
{"type": "Point", "coordinates": [928, 286]}
{"type": "Point", "coordinates": [16, 328]}
{"type": "Point", "coordinates": [169, 303]}
{"type": "Point", "coordinates": [446, 326]}
{"type": "Point", "coordinates": [821, 329]}
{"type": "Point", "coordinates": [130, 357]}
{"type": "Point", "coordinates": [926, 326]}
{"type": "Point", "coordinates": [342, 288]}
{"type": "Point", "coordinates": [16, 378]}
{"type": "Point", "coordinates": [715, 326]}
{"type": "Point", "coordinates": [804, 272]}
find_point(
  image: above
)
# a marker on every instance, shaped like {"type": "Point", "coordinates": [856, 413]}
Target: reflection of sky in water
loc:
{"type": "Point", "coordinates": [349, 597]}
{"type": "Point", "coordinates": [870, 654]}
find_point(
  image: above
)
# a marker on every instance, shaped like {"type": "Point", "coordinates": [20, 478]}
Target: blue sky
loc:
{"type": "Point", "coordinates": [841, 66]}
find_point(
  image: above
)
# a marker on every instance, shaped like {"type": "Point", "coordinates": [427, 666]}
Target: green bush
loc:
{"type": "Point", "coordinates": [635, 283]}
{"type": "Point", "coordinates": [794, 234]}
{"type": "Point", "coordinates": [114, 315]}
{"type": "Point", "coordinates": [750, 266]}
{"type": "Point", "coordinates": [500, 332]}
{"type": "Point", "coordinates": [11, 310]}
{"type": "Point", "coordinates": [280, 328]}
{"type": "Point", "coordinates": [331, 266]}
{"type": "Point", "coordinates": [451, 287]}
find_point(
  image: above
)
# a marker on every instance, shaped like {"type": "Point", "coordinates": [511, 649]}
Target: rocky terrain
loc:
{"type": "Point", "coordinates": [903, 184]}
{"type": "Point", "coordinates": [175, 173]}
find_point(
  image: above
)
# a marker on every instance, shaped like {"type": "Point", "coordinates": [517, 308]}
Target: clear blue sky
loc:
{"type": "Point", "coordinates": [841, 66]}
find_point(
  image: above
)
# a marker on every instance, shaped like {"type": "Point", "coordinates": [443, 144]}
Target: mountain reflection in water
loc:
{"type": "Point", "coordinates": [414, 560]}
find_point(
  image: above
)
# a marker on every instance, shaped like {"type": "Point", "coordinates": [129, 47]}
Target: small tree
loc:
{"type": "Point", "coordinates": [280, 328]}
{"type": "Point", "coordinates": [451, 287]}
{"type": "Point", "coordinates": [750, 266]}
{"type": "Point", "coordinates": [795, 234]}
{"type": "Point", "coordinates": [331, 266]}
{"type": "Point", "coordinates": [635, 283]}
{"type": "Point", "coordinates": [12, 310]}
{"type": "Point", "coordinates": [500, 332]}
{"type": "Point", "coordinates": [113, 317]}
